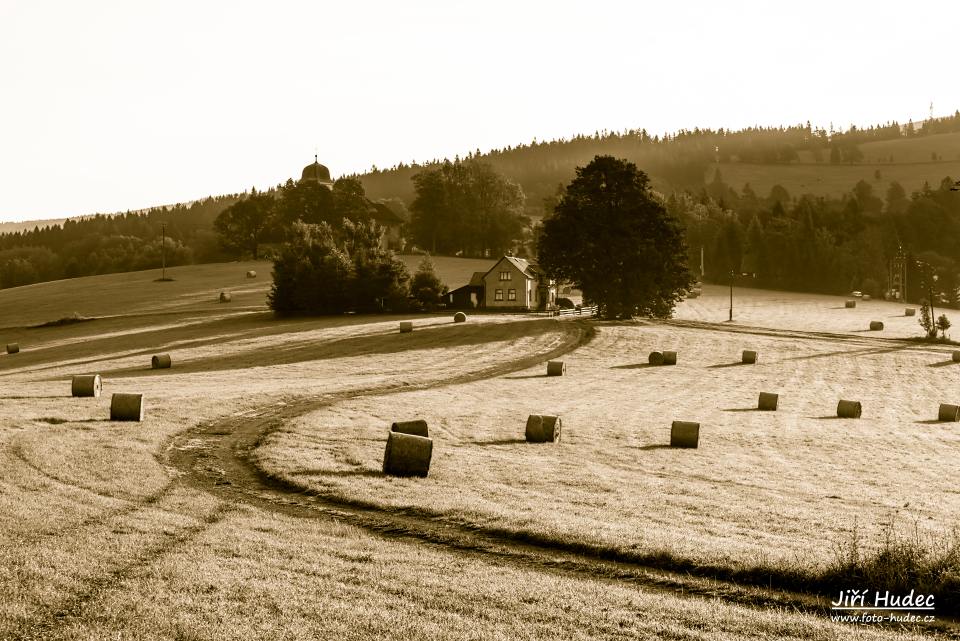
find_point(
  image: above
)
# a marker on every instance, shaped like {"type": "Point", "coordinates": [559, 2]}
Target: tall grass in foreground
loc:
{"type": "Point", "coordinates": [923, 562]}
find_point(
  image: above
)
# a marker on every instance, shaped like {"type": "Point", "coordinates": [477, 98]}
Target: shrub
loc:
{"type": "Point", "coordinates": [426, 287]}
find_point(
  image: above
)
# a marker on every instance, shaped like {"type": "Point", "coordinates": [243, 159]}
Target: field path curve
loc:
{"type": "Point", "coordinates": [215, 457]}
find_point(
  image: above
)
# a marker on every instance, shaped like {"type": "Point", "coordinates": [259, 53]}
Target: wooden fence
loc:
{"type": "Point", "coordinates": [583, 311]}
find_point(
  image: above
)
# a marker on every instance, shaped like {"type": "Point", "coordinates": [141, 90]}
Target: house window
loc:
{"type": "Point", "coordinates": [511, 294]}
{"type": "Point", "coordinates": [498, 295]}
{"type": "Point", "coordinates": [506, 275]}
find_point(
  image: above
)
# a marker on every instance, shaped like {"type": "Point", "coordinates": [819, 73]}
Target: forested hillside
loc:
{"type": "Point", "coordinates": [104, 244]}
{"type": "Point", "coordinates": [797, 207]}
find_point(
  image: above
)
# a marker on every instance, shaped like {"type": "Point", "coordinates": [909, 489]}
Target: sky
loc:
{"type": "Point", "coordinates": [114, 105]}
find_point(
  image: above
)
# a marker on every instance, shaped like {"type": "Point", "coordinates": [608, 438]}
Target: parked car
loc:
{"type": "Point", "coordinates": [857, 294]}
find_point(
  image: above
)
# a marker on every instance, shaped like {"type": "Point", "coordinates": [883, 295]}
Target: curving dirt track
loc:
{"type": "Point", "coordinates": [216, 457]}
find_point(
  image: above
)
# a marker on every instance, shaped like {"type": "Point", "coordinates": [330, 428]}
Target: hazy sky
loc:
{"type": "Point", "coordinates": [114, 105]}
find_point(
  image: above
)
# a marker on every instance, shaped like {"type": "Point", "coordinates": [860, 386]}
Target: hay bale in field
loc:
{"type": "Point", "coordinates": [669, 358]}
{"type": "Point", "coordinates": [251, 274]}
{"type": "Point", "coordinates": [849, 409]}
{"type": "Point", "coordinates": [768, 402]}
{"type": "Point", "coordinates": [459, 317]}
{"type": "Point", "coordinates": [876, 326]}
{"type": "Point", "coordinates": [417, 427]}
{"type": "Point", "coordinates": [556, 368]}
{"type": "Point", "coordinates": [684, 434]}
{"type": "Point", "coordinates": [655, 358]}
{"type": "Point", "coordinates": [543, 428]}
{"type": "Point", "coordinates": [126, 407]}
{"type": "Point", "coordinates": [949, 413]}
{"type": "Point", "coordinates": [850, 304]}
{"type": "Point", "coordinates": [86, 385]}
{"type": "Point", "coordinates": [161, 361]}
{"type": "Point", "coordinates": [865, 297]}
{"type": "Point", "coordinates": [407, 455]}
{"type": "Point", "coordinates": [910, 311]}
{"type": "Point", "coordinates": [13, 348]}
{"type": "Point", "coordinates": [225, 297]}
{"type": "Point", "coordinates": [956, 356]}
{"type": "Point", "coordinates": [749, 357]}
{"type": "Point", "coordinates": [406, 326]}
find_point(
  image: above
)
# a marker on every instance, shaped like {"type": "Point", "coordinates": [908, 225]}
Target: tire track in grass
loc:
{"type": "Point", "coordinates": [216, 457]}
{"type": "Point", "coordinates": [51, 621]}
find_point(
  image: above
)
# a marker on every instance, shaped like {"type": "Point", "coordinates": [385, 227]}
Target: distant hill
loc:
{"type": "Point", "coordinates": [800, 158]}
{"type": "Point", "coordinates": [14, 227]}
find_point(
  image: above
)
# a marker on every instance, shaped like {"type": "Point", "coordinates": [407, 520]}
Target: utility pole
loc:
{"type": "Point", "coordinates": [731, 296]}
{"type": "Point", "coordinates": [163, 251]}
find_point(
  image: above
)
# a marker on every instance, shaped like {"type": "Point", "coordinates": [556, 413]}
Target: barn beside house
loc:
{"type": "Point", "coordinates": [470, 296]}
{"type": "Point", "coordinates": [512, 284]}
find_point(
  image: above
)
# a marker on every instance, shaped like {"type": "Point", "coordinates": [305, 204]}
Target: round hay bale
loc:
{"type": "Point", "coordinates": [865, 297]}
{"type": "Point", "coordinates": [669, 358]}
{"type": "Point", "coordinates": [86, 385]}
{"type": "Point", "coordinates": [543, 429]}
{"type": "Point", "coordinates": [749, 357]}
{"type": "Point", "coordinates": [406, 326]}
{"type": "Point", "coordinates": [910, 311]}
{"type": "Point", "coordinates": [556, 368]}
{"type": "Point", "coordinates": [225, 297]}
{"type": "Point", "coordinates": [459, 317]}
{"type": "Point", "coordinates": [684, 434]}
{"type": "Point", "coordinates": [251, 274]}
{"type": "Point", "coordinates": [876, 326]}
{"type": "Point", "coordinates": [956, 356]}
{"type": "Point", "coordinates": [407, 455]}
{"type": "Point", "coordinates": [850, 304]}
{"type": "Point", "coordinates": [768, 402]}
{"type": "Point", "coordinates": [126, 407]}
{"type": "Point", "coordinates": [849, 409]}
{"type": "Point", "coordinates": [161, 361]}
{"type": "Point", "coordinates": [655, 358]}
{"type": "Point", "coordinates": [949, 413]}
{"type": "Point", "coordinates": [417, 427]}
{"type": "Point", "coordinates": [13, 348]}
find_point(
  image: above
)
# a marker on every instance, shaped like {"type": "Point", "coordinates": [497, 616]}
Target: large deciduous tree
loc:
{"type": "Point", "coordinates": [465, 207]}
{"type": "Point", "coordinates": [615, 240]}
{"type": "Point", "coordinates": [243, 225]}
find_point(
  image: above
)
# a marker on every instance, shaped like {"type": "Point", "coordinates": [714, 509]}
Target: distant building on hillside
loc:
{"type": "Point", "coordinates": [511, 284]}
{"type": "Point", "coordinates": [317, 173]}
{"type": "Point", "coordinates": [392, 224]}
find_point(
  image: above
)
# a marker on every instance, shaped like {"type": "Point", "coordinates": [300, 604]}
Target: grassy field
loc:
{"type": "Point", "coordinates": [101, 537]}
{"type": "Point", "coordinates": [765, 489]}
{"type": "Point", "coordinates": [912, 166]}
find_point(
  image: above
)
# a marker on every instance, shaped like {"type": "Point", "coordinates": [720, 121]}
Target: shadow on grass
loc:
{"type": "Point", "coordinates": [741, 409]}
{"type": "Point", "coordinates": [942, 363]}
{"type": "Point", "coordinates": [342, 473]}
{"type": "Point", "coordinates": [635, 366]}
{"type": "Point", "coordinates": [851, 352]}
{"type": "Point", "coordinates": [27, 398]}
{"type": "Point", "coordinates": [56, 420]}
{"type": "Point", "coordinates": [654, 446]}
{"type": "Point", "coordinates": [827, 418]}
{"type": "Point", "coordinates": [932, 421]}
{"type": "Point", "coordinates": [506, 441]}
{"type": "Point", "coordinates": [380, 342]}
{"type": "Point", "coordinates": [517, 378]}
{"type": "Point", "coordinates": [720, 365]}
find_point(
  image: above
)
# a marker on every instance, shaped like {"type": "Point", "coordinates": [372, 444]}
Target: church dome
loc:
{"type": "Point", "coordinates": [316, 171]}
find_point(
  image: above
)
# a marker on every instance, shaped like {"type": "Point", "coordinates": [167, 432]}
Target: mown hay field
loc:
{"type": "Point", "coordinates": [101, 537]}
{"type": "Point", "coordinates": [782, 489]}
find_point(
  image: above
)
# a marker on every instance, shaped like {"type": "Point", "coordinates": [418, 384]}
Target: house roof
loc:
{"type": "Point", "coordinates": [384, 215]}
{"type": "Point", "coordinates": [524, 266]}
{"type": "Point", "coordinates": [477, 279]}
